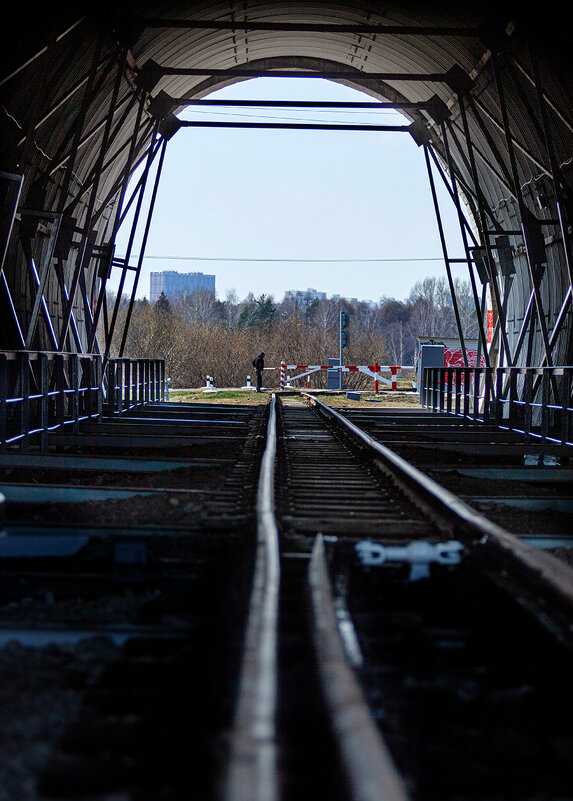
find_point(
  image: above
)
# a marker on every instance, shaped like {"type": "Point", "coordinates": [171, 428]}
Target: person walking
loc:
{"type": "Point", "coordinates": [259, 364]}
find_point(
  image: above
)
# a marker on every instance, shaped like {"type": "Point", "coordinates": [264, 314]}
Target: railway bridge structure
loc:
{"type": "Point", "coordinates": [283, 600]}
{"type": "Point", "coordinates": [88, 97]}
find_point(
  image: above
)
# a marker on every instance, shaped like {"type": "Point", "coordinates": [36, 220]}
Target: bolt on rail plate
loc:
{"type": "Point", "coordinates": [419, 554]}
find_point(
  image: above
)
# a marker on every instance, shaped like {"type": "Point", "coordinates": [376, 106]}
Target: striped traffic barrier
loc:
{"type": "Point", "coordinates": [373, 370]}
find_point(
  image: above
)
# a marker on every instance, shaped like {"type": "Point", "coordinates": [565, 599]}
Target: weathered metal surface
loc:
{"type": "Point", "coordinates": [253, 773]}
{"type": "Point", "coordinates": [169, 588]}
{"type": "Point", "coordinates": [371, 770]}
{"type": "Point", "coordinates": [542, 568]}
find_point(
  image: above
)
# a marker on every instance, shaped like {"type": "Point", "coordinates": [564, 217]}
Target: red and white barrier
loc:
{"type": "Point", "coordinates": [374, 371]}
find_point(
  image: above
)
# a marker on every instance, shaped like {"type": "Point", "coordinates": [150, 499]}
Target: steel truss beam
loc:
{"type": "Point", "coordinates": [75, 137]}
{"type": "Point", "coordinates": [333, 75]}
{"type": "Point", "coordinates": [144, 132]}
{"type": "Point", "coordinates": [65, 98]}
{"type": "Point", "coordinates": [42, 280]}
{"type": "Point", "coordinates": [555, 171]}
{"type": "Point", "coordinates": [486, 240]}
{"type": "Point", "coordinates": [302, 27]}
{"type": "Point", "coordinates": [99, 170]}
{"type": "Point", "coordinates": [64, 190]}
{"type": "Point", "coordinates": [142, 248]}
{"type": "Point", "coordinates": [327, 104]}
{"type": "Point", "coordinates": [90, 83]}
{"type": "Point", "coordinates": [15, 181]}
{"type": "Point", "coordinates": [86, 137]}
{"type": "Point", "coordinates": [152, 152]}
{"type": "Point", "coordinates": [508, 176]}
{"type": "Point", "coordinates": [447, 260]}
{"type": "Point", "coordinates": [560, 204]}
{"type": "Point", "coordinates": [515, 142]}
{"type": "Point", "coordinates": [83, 254]}
{"type": "Point", "coordinates": [522, 210]}
{"type": "Point", "coordinates": [547, 99]}
{"type": "Point", "coordinates": [121, 188]}
{"type": "Point", "coordinates": [472, 193]}
{"type": "Point", "coordinates": [299, 126]}
{"type": "Point", "coordinates": [457, 203]}
{"type": "Point", "coordinates": [41, 52]}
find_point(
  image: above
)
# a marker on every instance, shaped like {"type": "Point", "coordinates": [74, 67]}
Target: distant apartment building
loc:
{"type": "Point", "coordinates": [178, 285]}
{"type": "Point", "coordinates": [306, 296]}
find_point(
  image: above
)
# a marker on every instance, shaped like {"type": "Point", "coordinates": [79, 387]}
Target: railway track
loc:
{"type": "Point", "coordinates": [433, 642]}
{"type": "Point", "coordinates": [311, 618]}
{"type": "Point", "coordinates": [526, 486]}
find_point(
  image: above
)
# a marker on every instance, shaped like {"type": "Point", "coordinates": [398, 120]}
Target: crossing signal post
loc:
{"type": "Point", "coordinates": [343, 339]}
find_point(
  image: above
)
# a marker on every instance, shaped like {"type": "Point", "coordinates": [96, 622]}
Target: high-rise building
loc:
{"type": "Point", "coordinates": [178, 285]}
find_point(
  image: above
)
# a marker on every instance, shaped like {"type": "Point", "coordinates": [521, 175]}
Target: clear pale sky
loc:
{"type": "Point", "coordinates": [235, 203]}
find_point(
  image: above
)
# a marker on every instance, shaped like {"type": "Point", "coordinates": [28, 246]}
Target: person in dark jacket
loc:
{"type": "Point", "coordinates": [259, 364]}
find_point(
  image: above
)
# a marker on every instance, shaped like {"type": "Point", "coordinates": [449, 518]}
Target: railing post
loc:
{"type": "Point", "coordinates": [139, 395]}
{"type": "Point", "coordinates": [98, 384]}
{"type": "Point", "coordinates": [477, 383]}
{"type": "Point", "coordinates": [449, 382]}
{"type": "Point", "coordinates": [25, 407]}
{"type": "Point", "coordinates": [111, 386]}
{"type": "Point", "coordinates": [467, 390]}
{"type": "Point", "coordinates": [119, 386]}
{"type": "Point", "coordinates": [90, 376]}
{"type": "Point", "coordinates": [152, 380]}
{"type": "Point", "coordinates": [545, 375]}
{"type": "Point", "coordinates": [512, 396]}
{"type": "Point", "coordinates": [528, 400]}
{"type": "Point", "coordinates": [60, 390]}
{"type": "Point", "coordinates": [499, 375]}
{"type": "Point", "coordinates": [565, 401]}
{"type": "Point", "coordinates": [458, 374]}
{"type": "Point", "coordinates": [127, 384]}
{"type": "Point", "coordinates": [3, 400]}
{"type": "Point", "coordinates": [75, 386]}
{"type": "Point", "coordinates": [487, 392]}
{"type": "Point", "coordinates": [44, 400]}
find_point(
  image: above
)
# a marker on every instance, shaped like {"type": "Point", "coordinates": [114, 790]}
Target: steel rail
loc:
{"type": "Point", "coordinates": [368, 765]}
{"type": "Point", "coordinates": [554, 575]}
{"type": "Point", "coordinates": [252, 769]}
{"type": "Point", "coordinates": [252, 773]}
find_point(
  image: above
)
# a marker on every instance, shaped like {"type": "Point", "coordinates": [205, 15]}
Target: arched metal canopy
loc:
{"type": "Point", "coordinates": [86, 99]}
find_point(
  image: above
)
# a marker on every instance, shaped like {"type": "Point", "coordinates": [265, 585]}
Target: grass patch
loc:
{"type": "Point", "coordinates": [248, 397]}
{"type": "Point", "coordinates": [251, 398]}
{"type": "Point", "coordinates": [396, 398]}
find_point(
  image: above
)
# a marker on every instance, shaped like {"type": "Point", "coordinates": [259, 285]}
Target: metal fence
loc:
{"type": "Point", "coordinates": [43, 392]}
{"type": "Point", "coordinates": [533, 401]}
{"type": "Point", "coordinates": [131, 383]}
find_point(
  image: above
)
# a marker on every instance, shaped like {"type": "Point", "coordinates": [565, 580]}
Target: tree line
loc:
{"type": "Point", "coordinates": [200, 335]}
